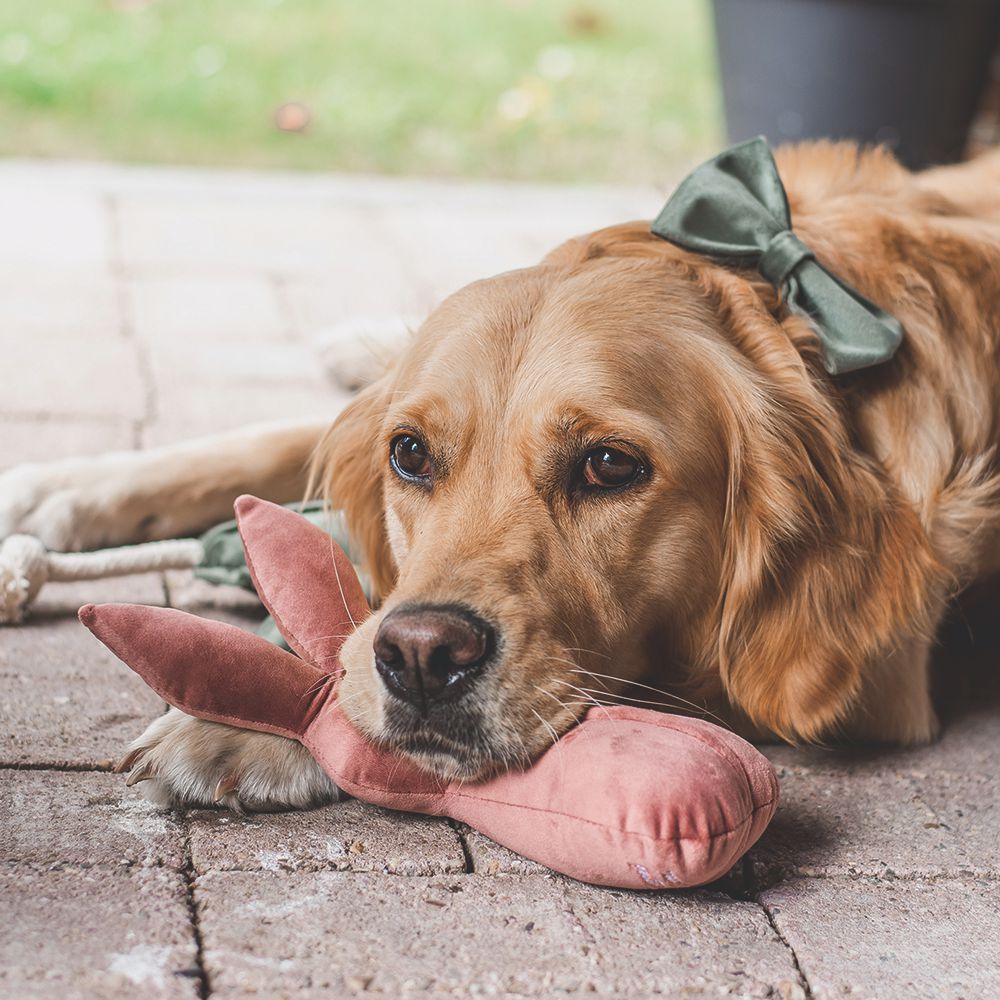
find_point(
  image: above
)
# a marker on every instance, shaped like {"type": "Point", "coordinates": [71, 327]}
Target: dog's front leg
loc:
{"type": "Point", "coordinates": [169, 492]}
{"type": "Point", "coordinates": [182, 761]}
{"type": "Point", "coordinates": [894, 705]}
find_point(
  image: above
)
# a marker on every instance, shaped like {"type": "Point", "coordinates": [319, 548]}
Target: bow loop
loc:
{"type": "Point", "coordinates": [734, 207]}
{"type": "Point", "coordinates": [781, 257]}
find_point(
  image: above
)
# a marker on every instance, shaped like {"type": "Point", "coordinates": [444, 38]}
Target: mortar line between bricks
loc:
{"type": "Point", "coordinates": [190, 876]}
{"type": "Point", "coordinates": [775, 877]}
{"type": "Point", "coordinates": [289, 323]}
{"type": "Point", "coordinates": [51, 765]}
{"type": "Point", "coordinates": [385, 232]}
{"type": "Point", "coordinates": [127, 323]}
{"type": "Point", "coordinates": [470, 866]}
{"type": "Point", "coordinates": [63, 417]}
{"type": "Point", "coordinates": [799, 971]}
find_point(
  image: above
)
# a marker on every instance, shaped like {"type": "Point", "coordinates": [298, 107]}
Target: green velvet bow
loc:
{"type": "Point", "coordinates": [734, 207]}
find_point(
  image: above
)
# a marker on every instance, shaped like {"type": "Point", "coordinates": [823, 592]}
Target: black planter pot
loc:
{"type": "Point", "coordinates": [906, 73]}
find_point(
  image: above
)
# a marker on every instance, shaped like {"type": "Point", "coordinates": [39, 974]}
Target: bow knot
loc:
{"type": "Point", "coordinates": [735, 208]}
{"type": "Point", "coordinates": [781, 256]}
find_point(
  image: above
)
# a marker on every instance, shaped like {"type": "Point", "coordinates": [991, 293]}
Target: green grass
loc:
{"type": "Point", "coordinates": [543, 89]}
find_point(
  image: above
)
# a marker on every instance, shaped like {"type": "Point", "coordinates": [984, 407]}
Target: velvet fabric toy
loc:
{"type": "Point", "coordinates": [629, 797]}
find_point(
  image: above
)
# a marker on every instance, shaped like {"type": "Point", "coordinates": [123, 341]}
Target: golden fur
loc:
{"type": "Point", "coordinates": [787, 562]}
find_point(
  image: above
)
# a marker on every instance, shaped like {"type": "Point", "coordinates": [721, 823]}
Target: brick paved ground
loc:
{"type": "Point", "coordinates": [140, 306]}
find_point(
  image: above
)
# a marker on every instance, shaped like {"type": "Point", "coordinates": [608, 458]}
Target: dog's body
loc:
{"type": "Point", "coordinates": [626, 464]}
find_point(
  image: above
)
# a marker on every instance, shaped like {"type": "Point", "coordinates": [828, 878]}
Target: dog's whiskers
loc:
{"type": "Point", "coordinates": [624, 697]}
{"type": "Point", "coordinates": [568, 706]}
{"type": "Point", "coordinates": [340, 585]}
{"type": "Point", "coordinates": [581, 649]}
{"type": "Point", "coordinates": [669, 695]}
{"type": "Point", "coordinates": [548, 725]}
{"type": "Point", "coordinates": [590, 698]}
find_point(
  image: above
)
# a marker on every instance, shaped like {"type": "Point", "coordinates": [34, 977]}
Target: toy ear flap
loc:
{"type": "Point", "coordinates": [210, 669]}
{"type": "Point", "coordinates": [303, 577]}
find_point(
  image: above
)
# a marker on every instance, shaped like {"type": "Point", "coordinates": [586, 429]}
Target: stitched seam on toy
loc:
{"type": "Point", "coordinates": [242, 722]}
{"type": "Point", "coordinates": [628, 833]}
{"type": "Point", "coordinates": [551, 812]}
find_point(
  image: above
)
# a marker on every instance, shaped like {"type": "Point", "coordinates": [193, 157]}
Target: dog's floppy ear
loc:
{"type": "Point", "coordinates": [347, 468]}
{"type": "Point", "coordinates": [826, 566]}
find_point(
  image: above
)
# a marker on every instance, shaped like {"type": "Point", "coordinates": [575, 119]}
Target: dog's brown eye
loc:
{"type": "Point", "coordinates": [409, 457]}
{"type": "Point", "coordinates": [608, 467]}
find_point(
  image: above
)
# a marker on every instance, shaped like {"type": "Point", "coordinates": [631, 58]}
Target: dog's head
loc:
{"type": "Point", "coordinates": [612, 465]}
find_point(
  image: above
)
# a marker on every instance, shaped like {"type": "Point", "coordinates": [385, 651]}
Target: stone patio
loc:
{"type": "Point", "coordinates": [139, 306]}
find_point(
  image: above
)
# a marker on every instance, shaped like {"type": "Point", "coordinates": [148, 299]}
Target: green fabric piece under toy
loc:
{"type": "Point", "coordinates": [224, 562]}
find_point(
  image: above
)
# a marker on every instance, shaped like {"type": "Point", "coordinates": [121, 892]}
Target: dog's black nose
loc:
{"type": "Point", "coordinates": [430, 653]}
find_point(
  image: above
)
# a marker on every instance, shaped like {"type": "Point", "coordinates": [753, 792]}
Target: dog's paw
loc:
{"type": "Point", "coordinates": [355, 353]}
{"type": "Point", "coordinates": [70, 505]}
{"type": "Point", "coordinates": [183, 761]}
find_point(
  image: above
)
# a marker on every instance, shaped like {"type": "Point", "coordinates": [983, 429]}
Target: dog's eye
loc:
{"type": "Point", "coordinates": [409, 457]}
{"type": "Point", "coordinates": [607, 468]}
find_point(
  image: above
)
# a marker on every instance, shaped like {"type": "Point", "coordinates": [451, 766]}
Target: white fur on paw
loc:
{"type": "Point", "coordinates": [66, 504]}
{"type": "Point", "coordinates": [356, 352]}
{"type": "Point", "coordinates": [183, 761]}
{"type": "Point", "coordinates": [19, 489]}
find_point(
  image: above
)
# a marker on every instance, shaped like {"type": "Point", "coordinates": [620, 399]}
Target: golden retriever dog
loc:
{"type": "Point", "coordinates": [625, 466]}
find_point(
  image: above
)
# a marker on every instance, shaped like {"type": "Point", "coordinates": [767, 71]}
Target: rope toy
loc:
{"type": "Point", "coordinates": [216, 557]}
{"type": "Point", "coordinates": [26, 566]}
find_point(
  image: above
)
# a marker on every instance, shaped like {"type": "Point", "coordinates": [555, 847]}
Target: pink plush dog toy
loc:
{"type": "Point", "coordinates": [630, 798]}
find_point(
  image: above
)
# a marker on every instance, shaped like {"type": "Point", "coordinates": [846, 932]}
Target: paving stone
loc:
{"type": "Point", "coordinates": [188, 311]}
{"type": "Point", "coordinates": [968, 744]}
{"type": "Point", "coordinates": [841, 760]}
{"type": "Point", "coordinates": [96, 932]}
{"type": "Point", "coordinates": [490, 858]}
{"type": "Point", "coordinates": [969, 806]}
{"type": "Point", "coordinates": [70, 720]}
{"type": "Point", "coordinates": [319, 304]}
{"type": "Point", "coordinates": [46, 439]}
{"type": "Point", "coordinates": [212, 386]}
{"type": "Point", "coordinates": [65, 699]}
{"type": "Point", "coordinates": [83, 818]}
{"type": "Point", "coordinates": [55, 304]}
{"type": "Point", "coordinates": [892, 938]}
{"type": "Point", "coordinates": [169, 234]}
{"type": "Point", "coordinates": [346, 836]}
{"type": "Point", "coordinates": [55, 230]}
{"type": "Point", "coordinates": [855, 823]}
{"type": "Point", "coordinates": [332, 933]}
{"type": "Point", "coordinates": [476, 244]}
{"type": "Point", "coordinates": [451, 248]}
{"type": "Point", "coordinates": [73, 375]}
{"type": "Point", "coordinates": [187, 409]}
{"type": "Point", "coordinates": [254, 365]}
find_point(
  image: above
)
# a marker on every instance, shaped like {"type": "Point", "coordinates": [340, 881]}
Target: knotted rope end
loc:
{"type": "Point", "coordinates": [23, 570]}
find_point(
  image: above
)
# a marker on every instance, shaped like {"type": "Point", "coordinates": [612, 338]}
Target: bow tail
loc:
{"type": "Point", "coordinates": [853, 332]}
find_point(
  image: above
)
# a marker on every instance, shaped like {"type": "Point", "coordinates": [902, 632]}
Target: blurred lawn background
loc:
{"type": "Point", "coordinates": [606, 90]}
